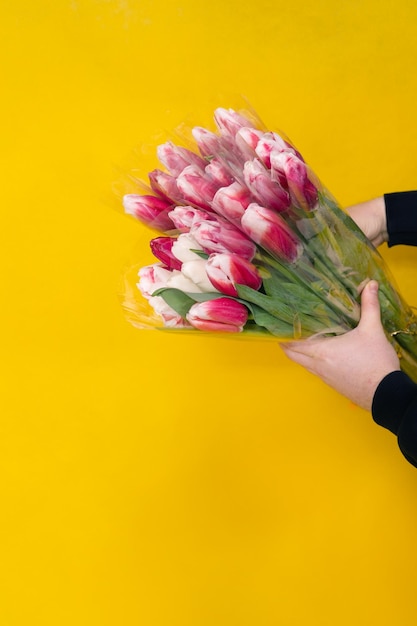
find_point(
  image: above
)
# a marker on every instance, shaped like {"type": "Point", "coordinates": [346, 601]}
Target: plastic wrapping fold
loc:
{"type": "Point", "coordinates": [247, 240]}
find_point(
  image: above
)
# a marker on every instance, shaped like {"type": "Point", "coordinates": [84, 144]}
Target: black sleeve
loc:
{"type": "Point", "coordinates": [401, 211]}
{"type": "Point", "coordinates": [395, 407]}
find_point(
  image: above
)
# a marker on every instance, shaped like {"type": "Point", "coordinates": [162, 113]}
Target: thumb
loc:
{"type": "Point", "coordinates": [370, 309]}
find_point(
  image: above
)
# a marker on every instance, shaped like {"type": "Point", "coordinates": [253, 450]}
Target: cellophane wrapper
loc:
{"type": "Point", "coordinates": [244, 239]}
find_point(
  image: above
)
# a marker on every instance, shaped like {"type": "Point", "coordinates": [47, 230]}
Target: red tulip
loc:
{"type": "Point", "coordinates": [162, 248]}
{"type": "Point", "coordinates": [196, 187]}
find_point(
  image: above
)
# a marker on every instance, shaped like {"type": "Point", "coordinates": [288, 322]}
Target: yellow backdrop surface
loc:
{"type": "Point", "coordinates": [155, 480]}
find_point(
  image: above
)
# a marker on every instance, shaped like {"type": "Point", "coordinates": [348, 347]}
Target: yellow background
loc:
{"type": "Point", "coordinates": [153, 480]}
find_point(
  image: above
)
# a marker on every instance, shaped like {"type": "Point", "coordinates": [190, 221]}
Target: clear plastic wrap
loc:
{"type": "Point", "coordinates": [248, 241]}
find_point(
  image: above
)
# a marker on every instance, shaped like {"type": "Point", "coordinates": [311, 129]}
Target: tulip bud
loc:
{"type": "Point", "coordinates": [196, 187]}
{"type": "Point", "coordinates": [302, 191]}
{"type": "Point", "coordinates": [218, 173]}
{"type": "Point", "coordinates": [269, 142]}
{"type": "Point", "coordinates": [196, 271]}
{"type": "Point", "coordinates": [185, 217]}
{"type": "Point", "coordinates": [149, 210]}
{"type": "Point", "coordinates": [178, 280]}
{"type": "Point", "coordinates": [271, 232]}
{"type": "Point", "coordinates": [231, 201]}
{"type": "Point", "coordinates": [229, 122]}
{"type": "Point", "coordinates": [165, 185]}
{"type": "Point", "coordinates": [265, 191]}
{"type": "Point", "coordinates": [162, 248]}
{"type": "Point", "coordinates": [151, 278]}
{"type": "Point", "coordinates": [225, 271]}
{"type": "Point", "coordinates": [176, 158]}
{"type": "Point", "coordinates": [219, 315]}
{"type": "Point", "coordinates": [183, 247]}
{"type": "Point", "coordinates": [221, 236]}
{"type": "Point", "coordinates": [209, 143]}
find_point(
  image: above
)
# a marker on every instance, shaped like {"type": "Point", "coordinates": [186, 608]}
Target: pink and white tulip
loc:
{"type": "Point", "coordinates": [265, 191]}
{"type": "Point", "coordinates": [271, 232]}
{"type": "Point", "coordinates": [150, 210]}
{"type": "Point", "coordinates": [151, 278]}
{"type": "Point", "coordinates": [197, 272]}
{"type": "Point", "coordinates": [176, 158]}
{"type": "Point", "coordinates": [225, 271]}
{"type": "Point", "coordinates": [219, 315]}
{"type": "Point", "coordinates": [302, 191]}
{"type": "Point", "coordinates": [183, 247]}
{"type": "Point", "coordinates": [231, 201]}
{"type": "Point", "coordinates": [229, 122]}
{"type": "Point", "coordinates": [220, 174]}
{"type": "Point", "coordinates": [165, 185]}
{"type": "Point", "coordinates": [162, 248]}
{"type": "Point", "coordinates": [185, 217]}
{"type": "Point", "coordinates": [196, 187]}
{"type": "Point", "coordinates": [221, 236]}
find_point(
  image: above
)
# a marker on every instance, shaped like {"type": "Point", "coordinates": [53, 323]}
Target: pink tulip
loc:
{"type": "Point", "coordinates": [229, 122]}
{"type": "Point", "coordinates": [219, 315]}
{"type": "Point", "coordinates": [218, 173]}
{"type": "Point", "coordinates": [162, 248]}
{"type": "Point", "coordinates": [221, 236]}
{"type": "Point", "coordinates": [246, 141]}
{"type": "Point", "coordinates": [265, 191]}
{"type": "Point", "coordinates": [149, 210]}
{"type": "Point", "coordinates": [302, 191]}
{"type": "Point", "coordinates": [209, 143]}
{"type": "Point", "coordinates": [269, 142]}
{"type": "Point", "coordinates": [165, 185]}
{"type": "Point", "coordinates": [270, 231]}
{"type": "Point", "coordinates": [151, 278]}
{"type": "Point", "coordinates": [231, 201]}
{"type": "Point", "coordinates": [196, 187]}
{"type": "Point", "coordinates": [185, 217]}
{"type": "Point", "coordinates": [225, 271]}
{"type": "Point", "coordinates": [176, 158]}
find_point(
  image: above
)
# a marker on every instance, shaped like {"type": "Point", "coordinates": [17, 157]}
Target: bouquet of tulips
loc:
{"type": "Point", "coordinates": [249, 241]}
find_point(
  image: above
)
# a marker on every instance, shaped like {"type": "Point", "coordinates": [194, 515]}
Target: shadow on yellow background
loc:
{"type": "Point", "coordinates": [154, 480]}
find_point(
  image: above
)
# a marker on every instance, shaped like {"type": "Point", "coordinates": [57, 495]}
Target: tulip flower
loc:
{"type": "Point", "coordinates": [151, 278]}
{"type": "Point", "coordinates": [165, 185]}
{"type": "Point", "coordinates": [162, 248]}
{"type": "Point", "coordinates": [302, 191]}
{"type": "Point", "coordinates": [218, 173]}
{"type": "Point", "coordinates": [185, 217]}
{"type": "Point", "coordinates": [271, 142]}
{"type": "Point", "coordinates": [271, 232]}
{"type": "Point", "coordinates": [183, 247]}
{"type": "Point", "coordinates": [196, 187]}
{"type": "Point", "coordinates": [176, 158]}
{"type": "Point", "coordinates": [180, 281]}
{"type": "Point", "coordinates": [229, 122]}
{"type": "Point", "coordinates": [221, 236]}
{"type": "Point", "coordinates": [225, 271]}
{"type": "Point", "coordinates": [265, 191]}
{"type": "Point", "coordinates": [197, 272]}
{"type": "Point", "coordinates": [211, 144]}
{"type": "Point", "coordinates": [219, 315]}
{"type": "Point", "coordinates": [231, 201]}
{"type": "Point", "coordinates": [150, 210]}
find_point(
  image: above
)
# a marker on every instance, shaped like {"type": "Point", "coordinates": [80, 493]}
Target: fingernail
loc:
{"type": "Point", "coordinates": [373, 286]}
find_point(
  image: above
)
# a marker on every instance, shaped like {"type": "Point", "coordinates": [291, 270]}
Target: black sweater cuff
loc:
{"type": "Point", "coordinates": [401, 211]}
{"type": "Point", "coordinates": [394, 394]}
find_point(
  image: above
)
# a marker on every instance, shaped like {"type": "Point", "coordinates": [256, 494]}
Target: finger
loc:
{"type": "Point", "coordinates": [300, 357]}
{"type": "Point", "coordinates": [370, 309]}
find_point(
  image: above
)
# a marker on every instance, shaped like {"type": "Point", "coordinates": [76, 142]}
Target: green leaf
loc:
{"type": "Point", "coordinates": [200, 253]}
{"type": "Point", "coordinates": [176, 299]}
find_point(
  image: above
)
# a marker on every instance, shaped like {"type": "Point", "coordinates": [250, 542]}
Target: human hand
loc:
{"type": "Point", "coordinates": [354, 363]}
{"type": "Point", "coordinates": [371, 218]}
